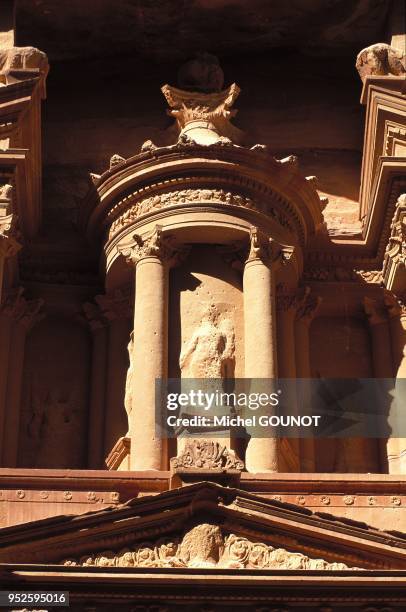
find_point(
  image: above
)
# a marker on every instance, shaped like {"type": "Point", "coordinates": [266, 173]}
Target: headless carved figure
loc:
{"type": "Point", "coordinates": [129, 381]}
{"type": "Point", "coordinates": [210, 351]}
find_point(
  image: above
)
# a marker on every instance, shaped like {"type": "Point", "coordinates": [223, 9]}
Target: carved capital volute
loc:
{"type": "Point", "coordinates": [156, 245]}
{"type": "Point", "coordinates": [262, 248]}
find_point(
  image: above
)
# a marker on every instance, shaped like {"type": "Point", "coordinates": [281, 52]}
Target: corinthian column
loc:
{"type": "Point", "coordinates": [397, 325]}
{"type": "Point", "coordinates": [151, 257]}
{"type": "Point", "coordinates": [260, 339]}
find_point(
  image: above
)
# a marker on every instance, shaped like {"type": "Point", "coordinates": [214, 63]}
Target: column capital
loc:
{"type": "Point", "coordinates": [25, 312]}
{"type": "Point", "coordinates": [307, 306]}
{"type": "Point", "coordinates": [262, 248]}
{"type": "Point", "coordinates": [94, 316]}
{"type": "Point", "coordinates": [116, 304]}
{"type": "Point", "coordinates": [395, 305]}
{"type": "Point", "coordinates": [155, 245]}
{"type": "Point", "coordinates": [374, 311]}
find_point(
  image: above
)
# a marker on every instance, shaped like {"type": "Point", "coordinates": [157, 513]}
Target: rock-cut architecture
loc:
{"type": "Point", "coordinates": [149, 232]}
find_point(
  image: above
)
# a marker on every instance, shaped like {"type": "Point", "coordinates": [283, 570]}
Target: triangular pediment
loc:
{"type": "Point", "coordinates": [204, 525]}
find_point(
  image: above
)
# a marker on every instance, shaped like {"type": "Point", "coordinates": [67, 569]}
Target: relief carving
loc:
{"type": "Point", "coordinates": [128, 398]}
{"type": "Point", "coordinates": [194, 197]}
{"type": "Point", "coordinates": [206, 454]}
{"type": "Point", "coordinates": [380, 59]}
{"type": "Point", "coordinates": [210, 351]}
{"type": "Point", "coordinates": [53, 424]}
{"type": "Point", "coordinates": [204, 546]}
{"type": "Point", "coordinates": [394, 263]}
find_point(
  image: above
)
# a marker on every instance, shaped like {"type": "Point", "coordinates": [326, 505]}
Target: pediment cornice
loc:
{"type": "Point", "coordinates": [157, 522]}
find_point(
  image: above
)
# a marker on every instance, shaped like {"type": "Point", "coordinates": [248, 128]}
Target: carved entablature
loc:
{"type": "Point", "coordinates": [210, 184]}
{"type": "Point", "coordinates": [205, 546]}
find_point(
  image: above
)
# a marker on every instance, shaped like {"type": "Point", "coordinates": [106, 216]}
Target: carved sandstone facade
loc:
{"type": "Point", "coordinates": [269, 245]}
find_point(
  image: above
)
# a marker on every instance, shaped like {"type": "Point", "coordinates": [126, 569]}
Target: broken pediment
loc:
{"type": "Point", "coordinates": [204, 525]}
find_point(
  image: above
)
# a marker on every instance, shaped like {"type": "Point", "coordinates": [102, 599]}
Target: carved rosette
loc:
{"type": "Point", "coordinates": [206, 455]}
{"type": "Point", "coordinates": [154, 245]}
{"type": "Point", "coordinates": [205, 546]}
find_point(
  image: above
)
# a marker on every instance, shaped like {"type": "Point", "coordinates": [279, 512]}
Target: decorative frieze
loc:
{"type": "Point", "coordinates": [195, 197]}
{"type": "Point", "coordinates": [205, 546]}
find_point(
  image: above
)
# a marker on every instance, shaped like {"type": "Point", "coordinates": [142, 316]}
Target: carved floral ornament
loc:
{"type": "Point", "coordinates": [155, 245]}
{"type": "Point", "coordinates": [196, 197]}
{"type": "Point", "coordinates": [205, 546]}
{"type": "Point", "coordinates": [206, 455]}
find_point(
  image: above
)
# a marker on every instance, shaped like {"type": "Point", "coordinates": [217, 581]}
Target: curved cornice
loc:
{"type": "Point", "coordinates": [250, 177]}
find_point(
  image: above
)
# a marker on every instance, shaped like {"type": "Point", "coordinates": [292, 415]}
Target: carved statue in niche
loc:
{"type": "Point", "coordinates": [128, 399]}
{"type": "Point", "coordinates": [210, 351]}
{"type": "Point", "coordinates": [53, 425]}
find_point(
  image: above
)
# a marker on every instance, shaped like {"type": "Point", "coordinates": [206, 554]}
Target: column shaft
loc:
{"type": "Point", "coordinates": [150, 361]}
{"type": "Point", "coordinates": [260, 351]}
